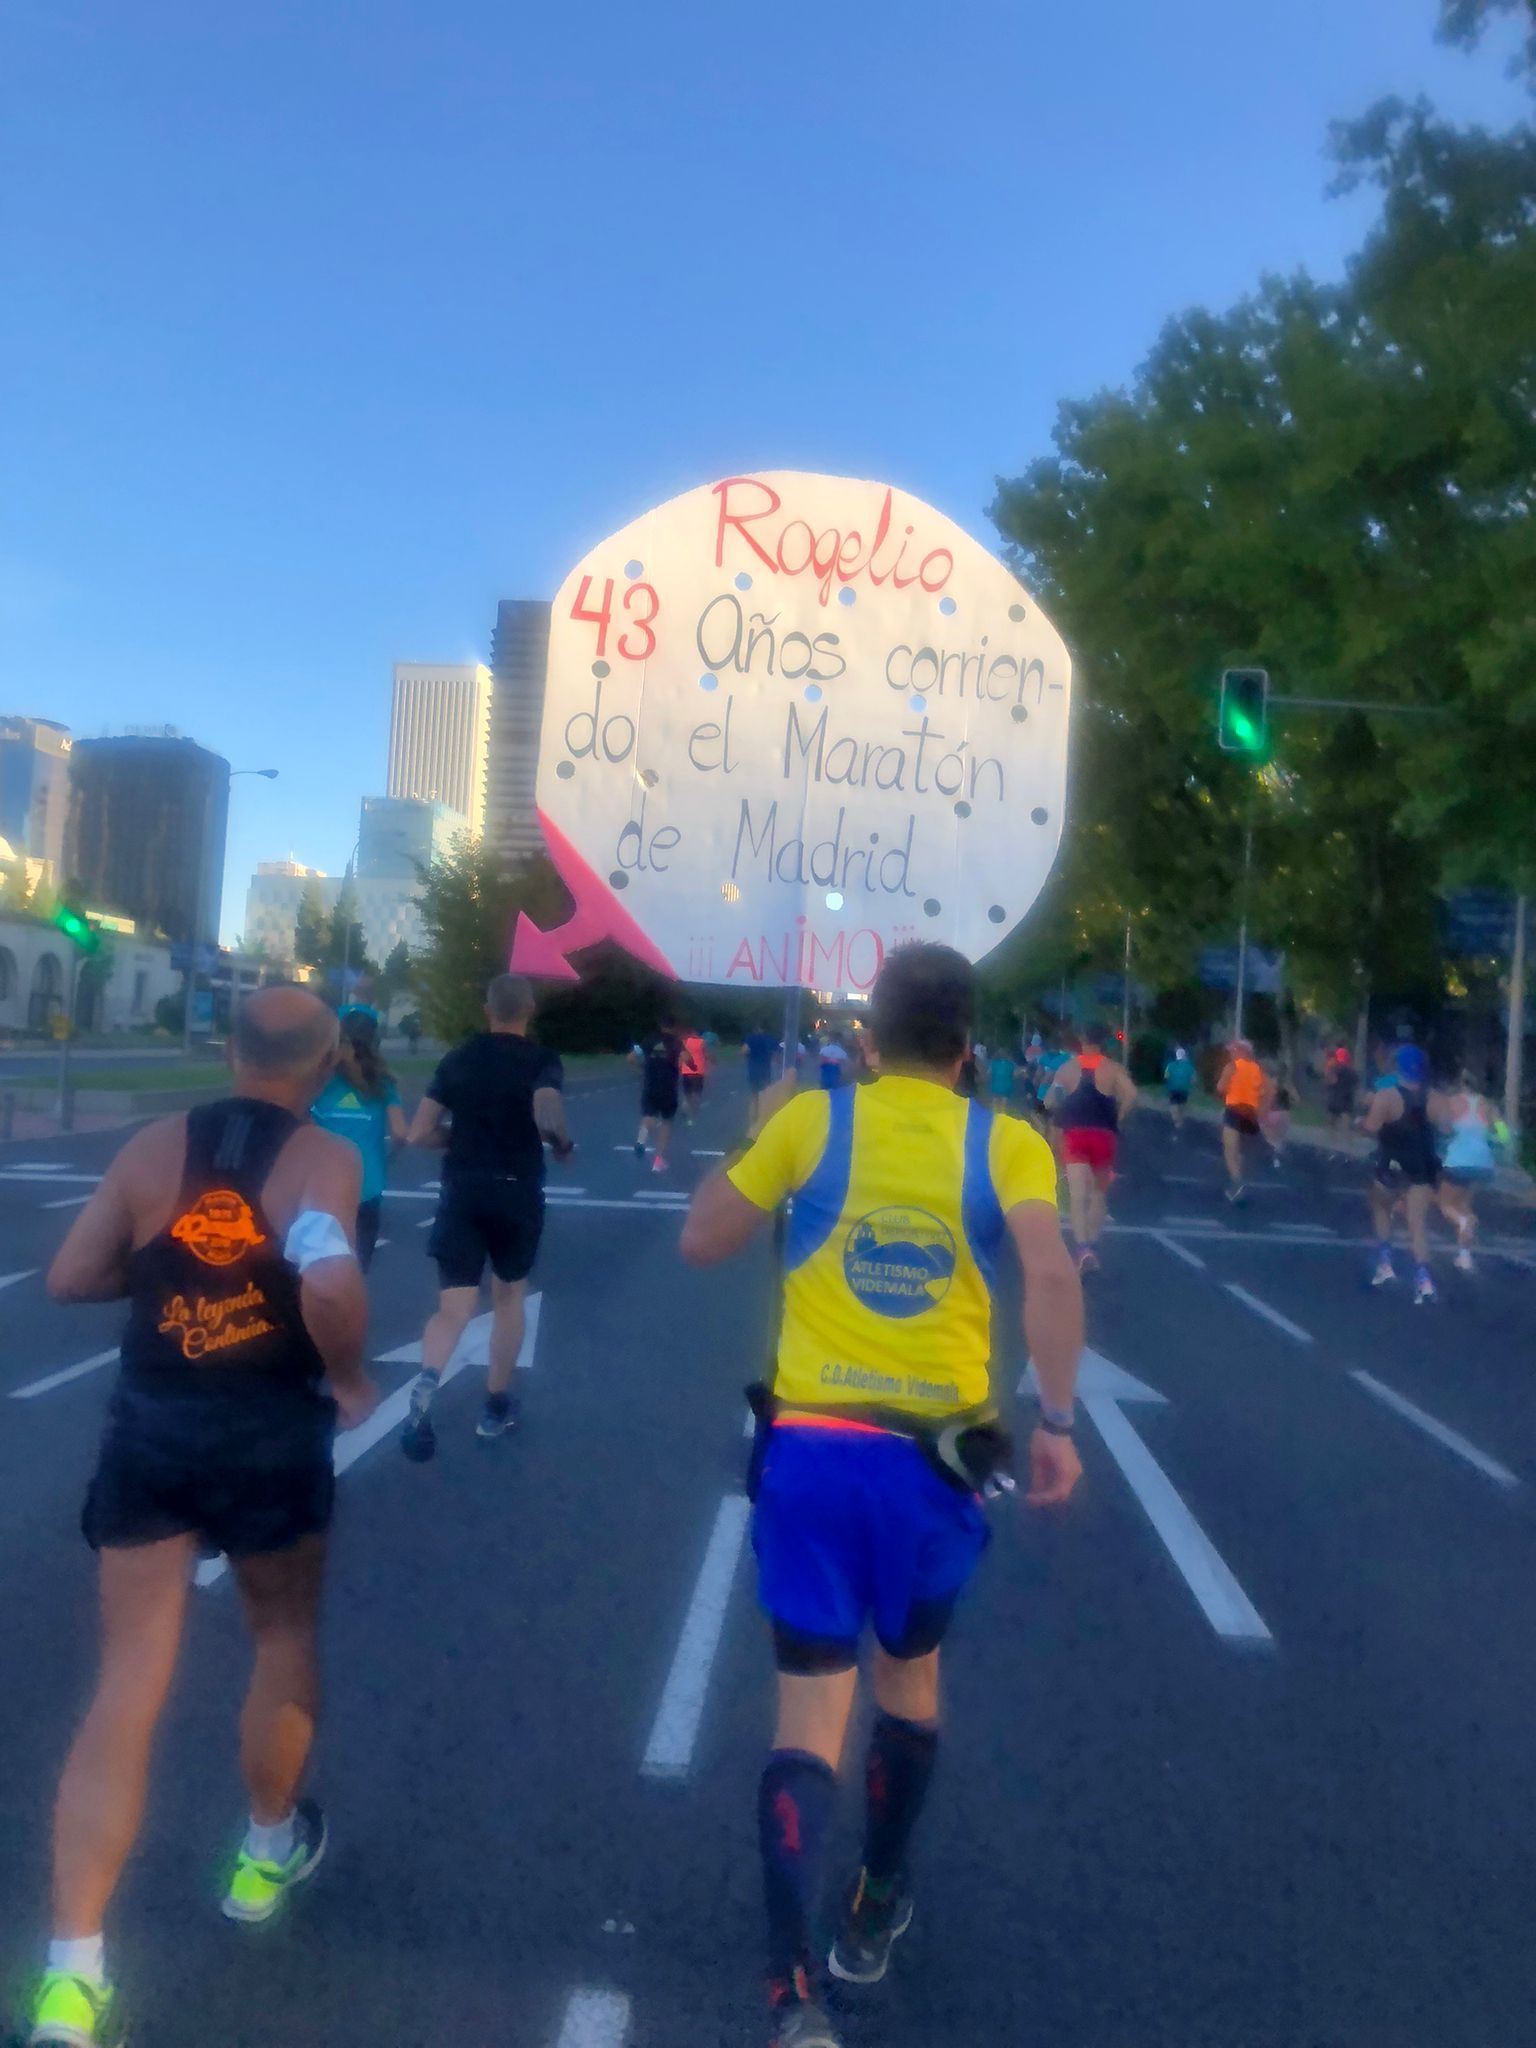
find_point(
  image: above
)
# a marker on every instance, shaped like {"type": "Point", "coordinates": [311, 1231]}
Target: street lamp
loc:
{"type": "Point", "coordinates": [267, 775]}
{"type": "Point", "coordinates": [341, 903]}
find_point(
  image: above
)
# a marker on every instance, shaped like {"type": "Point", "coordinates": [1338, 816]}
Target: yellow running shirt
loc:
{"type": "Point", "coordinates": [900, 1193]}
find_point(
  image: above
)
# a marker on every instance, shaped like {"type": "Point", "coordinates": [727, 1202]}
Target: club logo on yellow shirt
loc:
{"type": "Point", "coordinates": [899, 1262]}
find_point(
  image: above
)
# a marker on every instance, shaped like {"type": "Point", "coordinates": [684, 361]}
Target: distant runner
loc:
{"type": "Point", "coordinates": [833, 1057]}
{"type": "Point", "coordinates": [1092, 1093]}
{"type": "Point", "coordinates": [491, 1105]}
{"type": "Point", "coordinates": [879, 1434]}
{"type": "Point", "coordinates": [1341, 1085]}
{"type": "Point", "coordinates": [1241, 1087]}
{"type": "Point", "coordinates": [1407, 1166]}
{"type": "Point", "coordinates": [229, 1232]}
{"type": "Point", "coordinates": [660, 1060]}
{"type": "Point", "coordinates": [361, 1103]}
{"type": "Point", "coordinates": [1469, 1119]}
{"type": "Point", "coordinates": [760, 1050]}
{"type": "Point", "coordinates": [1275, 1118]}
{"type": "Point", "coordinates": [1179, 1080]}
{"type": "Point", "coordinates": [694, 1073]}
{"type": "Point", "coordinates": [1002, 1075]}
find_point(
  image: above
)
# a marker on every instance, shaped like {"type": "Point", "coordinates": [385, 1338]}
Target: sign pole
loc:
{"type": "Point", "coordinates": [64, 1043]}
{"type": "Point", "coordinates": [1125, 1001]}
{"type": "Point", "coordinates": [1514, 1057]}
{"type": "Point", "coordinates": [792, 1029]}
{"type": "Point", "coordinates": [1242, 937]}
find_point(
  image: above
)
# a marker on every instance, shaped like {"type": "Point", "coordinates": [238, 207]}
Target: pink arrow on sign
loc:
{"type": "Point", "coordinates": [597, 915]}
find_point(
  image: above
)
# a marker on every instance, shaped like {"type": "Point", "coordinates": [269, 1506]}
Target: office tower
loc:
{"type": "Point", "coordinates": [519, 655]}
{"type": "Point", "coordinates": [439, 735]}
{"type": "Point", "coordinates": [34, 789]}
{"type": "Point", "coordinates": [145, 831]}
{"type": "Point", "coordinates": [397, 836]}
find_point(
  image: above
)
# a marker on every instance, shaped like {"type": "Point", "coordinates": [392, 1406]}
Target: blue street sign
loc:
{"type": "Point", "coordinates": [1266, 971]}
{"type": "Point", "coordinates": [182, 957]}
{"type": "Point", "coordinates": [1480, 921]}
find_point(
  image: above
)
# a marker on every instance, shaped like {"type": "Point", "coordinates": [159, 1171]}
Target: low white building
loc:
{"type": "Point", "coordinates": [388, 909]}
{"type": "Point", "coordinates": [117, 989]}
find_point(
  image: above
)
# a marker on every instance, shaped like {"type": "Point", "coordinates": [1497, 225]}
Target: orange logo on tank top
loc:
{"type": "Point", "coordinates": [222, 1324]}
{"type": "Point", "coordinates": [218, 1228]}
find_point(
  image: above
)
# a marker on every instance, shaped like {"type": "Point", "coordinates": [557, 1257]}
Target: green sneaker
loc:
{"type": "Point", "coordinates": [256, 1889]}
{"type": "Point", "coordinates": [73, 2012]}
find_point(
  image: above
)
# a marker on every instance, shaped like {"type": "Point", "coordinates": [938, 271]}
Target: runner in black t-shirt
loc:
{"type": "Point", "coordinates": [491, 1104]}
{"type": "Point", "coordinates": [659, 1058]}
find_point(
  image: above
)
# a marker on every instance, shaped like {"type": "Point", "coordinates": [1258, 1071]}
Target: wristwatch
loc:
{"type": "Point", "coordinates": [1057, 1421]}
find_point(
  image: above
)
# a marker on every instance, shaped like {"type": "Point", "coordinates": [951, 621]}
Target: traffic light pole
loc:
{"type": "Point", "coordinates": [65, 1114]}
{"type": "Point", "coordinates": [1242, 932]}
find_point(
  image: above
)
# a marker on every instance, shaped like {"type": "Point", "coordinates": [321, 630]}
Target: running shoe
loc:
{"type": "Point", "coordinates": [1087, 1260]}
{"type": "Point", "coordinates": [658, 1164]}
{"type": "Point", "coordinates": [418, 1439]}
{"type": "Point", "coordinates": [500, 1415]}
{"type": "Point", "coordinates": [871, 1928]}
{"type": "Point", "coordinates": [74, 2012]}
{"type": "Point", "coordinates": [1384, 1274]}
{"type": "Point", "coordinates": [799, 2022]}
{"type": "Point", "coordinates": [1423, 1287]}
{"type": "Point", "coordinates": [639, 1148]}
{"type": "Point", "coordinates": [1463, 1261]}
{"type": "Point", "coordinates": [256, 1889]}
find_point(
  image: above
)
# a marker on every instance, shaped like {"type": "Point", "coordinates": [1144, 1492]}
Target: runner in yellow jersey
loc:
{"type": "Point", "coordinates": [867, 1499]}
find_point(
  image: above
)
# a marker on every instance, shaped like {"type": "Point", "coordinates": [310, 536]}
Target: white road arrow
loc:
{"type": "Point", "coordinates": [1101, 1388]}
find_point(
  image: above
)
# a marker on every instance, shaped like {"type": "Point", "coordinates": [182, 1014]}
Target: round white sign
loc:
{"type": "Point", "coordinates": [790, 722]}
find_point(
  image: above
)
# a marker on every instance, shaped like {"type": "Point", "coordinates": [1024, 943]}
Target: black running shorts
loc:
{"type": "Point", "coordinates": [243, 1477]}
{"type": "Point", "coordinates": [1416, 1171]}
{"type": "Point", "coordinates": [1243, 1121]}
{"type": "Point", "coordinates": [486, 1217]}
{"type": "Point", "coordinates": [659, 1102]}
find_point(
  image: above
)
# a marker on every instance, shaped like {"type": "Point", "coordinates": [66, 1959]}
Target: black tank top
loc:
{"type": "Point", "coordinates": [213, 1305]}
{"type": "Point", "coordinates": [1409, 1140]}
{"type": "Point", "coordinates": [1088, 1107]}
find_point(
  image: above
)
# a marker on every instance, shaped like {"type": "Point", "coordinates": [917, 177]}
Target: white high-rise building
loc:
{"type": "Point", "coordinates": [440, 735]}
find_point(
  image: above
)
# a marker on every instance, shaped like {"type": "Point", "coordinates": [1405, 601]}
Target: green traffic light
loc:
{"type": "Point", "coordinates": [77, 929]}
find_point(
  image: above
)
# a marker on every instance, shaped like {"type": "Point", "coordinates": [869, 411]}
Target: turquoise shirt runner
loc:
{"type": "Point", "coordinates": [364, 1121]}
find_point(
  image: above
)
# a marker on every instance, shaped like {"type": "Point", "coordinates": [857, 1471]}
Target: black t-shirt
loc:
{"type": "Point", "coordinates": [662, 1055]}
{"type": "Point", "coordinates": [487, 1086]}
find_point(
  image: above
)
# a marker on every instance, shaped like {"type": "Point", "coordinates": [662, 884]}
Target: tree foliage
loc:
{"type": "Point", "coordinates": [1333, 483]}
{"type": "Point", "coordinates": [469, 910]}
{"type": "Point", "coordinates": [1467, 21]}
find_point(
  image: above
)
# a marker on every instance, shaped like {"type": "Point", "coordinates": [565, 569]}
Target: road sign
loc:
{"type": "Point", "coordinates": [1480, 921]}
{"type": "Point", "coordinates": [200, 960]}
{"type": "Point", "coordinates": [789, 722]}
{"type": "Point", "coordinates": [1265, 975]}
{"type": "Point", "coordinates": [60, 1026]}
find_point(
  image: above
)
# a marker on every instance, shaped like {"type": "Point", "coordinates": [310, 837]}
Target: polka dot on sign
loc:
{"type": "Point", "coordinates": [874, 838]}
{"type": "Point", "coordinates": [618, 879]}
{"type": "Point", "coordinates": [997, 913]}
{"type": "Point", "coordinates": [1019, 714]}
{"type": "Point", "coordinates": [566, 770]}
{"type": "Point", "coordinates": [1039, 814]}
{"type": "Point", "coordinates": [633, 569]}
{"type": "Point", "coordinates": [962, 809]}
{"type": "Point", "coordinates": [813, 693]}
{"type": "Point", "coordinates": [599, 669]}
{"type": "Point", "coordinates": [915, 703]}
{"type": "Point", "coordinates": [932, 907]}
{"type": "Point", "coordinates": [847, 596]}
{"type": "Point", "coordinates": [947, 606]}
{"type": "Point", "coordinates": [1016, 613]}
{"type": "Point", "coordinates": [709, 682]}
{"type": "Point", "coordinates": [743, 581]}
{"type": "Point", "coordinates": [834, 899]}
{"type": "Point", "coordinates": [649, 777]}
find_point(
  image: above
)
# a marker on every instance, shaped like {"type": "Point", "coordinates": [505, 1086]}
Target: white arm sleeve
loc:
{"type": "Point", "coordinates": [315, 1235]}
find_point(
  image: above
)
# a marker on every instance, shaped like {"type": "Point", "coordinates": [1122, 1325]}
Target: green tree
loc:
{"type": "Point", "coordinates": [469, 910]}
{"type": "Point", "coordinates": [344, 945]}
{"type": "Point", "coordinates": [1467, 21]}
{"type": "Point", "coordinates": [394, 977]}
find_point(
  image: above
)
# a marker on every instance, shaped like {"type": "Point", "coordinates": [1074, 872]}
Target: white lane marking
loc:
{"type": "Point", "coordinates": [379, 1243]}
{"type": "Point", "coordinates": [1171, 1244]}
{"type": "Point", "coordinates": [60, 1178]}
{"type": "Point", "coordinates": [1221, 1599]}
{"type": "Point", "coordinates": [62, 1379]}
{"type": "Point", "coordinates": [633, 1208]}
{"type": "Point", "coordinates": [1192, 1222]}
{"type": "Point", "coordinates": [1101, 1387]}
{"type": "Point", "coordinates": [426, 1223]}
{"type": "Point", "coordinates": [595, 2019]}
{"type": "Point", "coordinates": [702, 1152]}
{"type": "Point", "coordinates": [10, 1279]}
{"type": "Point", "coordinates": [1270, 1315]}
{"type": "Point", "coordinates": [669, 1751]}
{"type": "Point", "coordinates": [749, 1428]}
{"type": "Point", "coordinates": [1300, 1229]}
{"type": "Point", "coordinates": [38, 1165]}
{"type": "Point", "coordinates": [659, 1195]}
{"type": "Point", "coordinates": [1440, 1431]}
{"type": "Point", "coordinates": [352, 1444]}
{"type": "Point", "coordinates": [410, 1195]}
{"type": "Point", "coordinates": [68, 1202]}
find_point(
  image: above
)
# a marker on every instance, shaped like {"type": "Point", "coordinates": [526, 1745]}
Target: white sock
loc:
{"type": "Point", "coordinates": [271, 1845]}
{"type": "Point", "coordinates": [81, 1957]}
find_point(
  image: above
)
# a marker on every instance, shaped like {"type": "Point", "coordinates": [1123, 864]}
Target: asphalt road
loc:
{"type": "Point", "coordinates": [1239, 1749]}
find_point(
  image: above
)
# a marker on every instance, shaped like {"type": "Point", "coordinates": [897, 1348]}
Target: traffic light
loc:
{"type": "Point", "coordinates": [76, 928]}
{"type": "Point", "coordinates": [1242, 725]}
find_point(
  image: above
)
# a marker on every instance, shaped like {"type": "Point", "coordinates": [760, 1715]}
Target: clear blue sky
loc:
{"type": "Point", "coordinates": [330, 324]}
